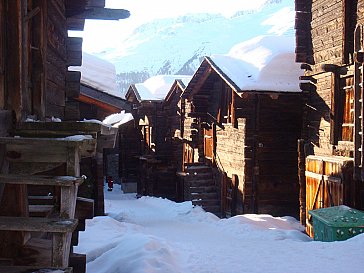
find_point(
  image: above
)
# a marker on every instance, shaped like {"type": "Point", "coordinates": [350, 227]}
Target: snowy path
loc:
{"type": "Point", "coordinates": [157, 235]}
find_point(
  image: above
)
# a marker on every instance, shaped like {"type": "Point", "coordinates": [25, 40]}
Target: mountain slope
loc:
{"type": "Point", "coordinates": [177, 45]}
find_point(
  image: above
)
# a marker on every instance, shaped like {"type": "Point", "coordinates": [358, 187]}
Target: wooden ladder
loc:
{"type": "Point", "coordinates": [358, 105]}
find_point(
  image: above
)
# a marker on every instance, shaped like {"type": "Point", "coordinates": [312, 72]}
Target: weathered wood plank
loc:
{"type": "Point", "coordinates": [53, 225]}
{"type": "Point", "coordinates": [64, 181]}
{"type": "Point", "coordinates": [102, 14]}
{"type": "Point", "coordinates": [73, 84]}
{"type": "Point", "coordinates": [84, 208]}
{"type": "Point", "coordinates": [74, 51]}
{"type": "Point", "coordinates": [48, 149]}
{"type": "Point", "coordinates": [27, 269]}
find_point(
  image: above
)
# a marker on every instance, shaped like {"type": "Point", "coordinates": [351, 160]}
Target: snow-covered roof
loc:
{"type": "Point", "coordinates": [98, 74]}
{"type": "Point", "coordinates": [177, 85]}
{"type": "Point", "coordinates": [157, 87]}
{"type": "Point", "coordinates": [264, 63]}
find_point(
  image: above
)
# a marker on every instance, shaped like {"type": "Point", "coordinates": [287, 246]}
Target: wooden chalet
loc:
{"type": "Point", "coordinates": [241, 125]}
{"type": "Point", "coordinates": [172, 107]}
{"type": "Point", "coordinates": [157, 170]}
{"type": "Point", "coordinates": [40, 210]}
{"type": "Point", "coordinates": [329, 37]}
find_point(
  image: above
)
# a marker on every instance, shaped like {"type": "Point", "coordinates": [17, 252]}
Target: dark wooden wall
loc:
{"type": "Point", "coordinates": [262, 151]}
{"type": "Point", "coordinates": [256, 143]}
{"type": "Point", "coordinates": [2, 54]}
{"type": "Point", "coordinates": [278, 127]}
{"type": "Point", "coordinates": [332, 25]}
{"type": "Point", "coordinates": [332, 111]}
{"type": "Point", "coordinates": [173, 142]}
{"type": "Point", "coordinates": [14, 66]}
{"type": "Point", "coordinates": [56, 59]}
{"type": "Point", "coordinates": [35, 53]}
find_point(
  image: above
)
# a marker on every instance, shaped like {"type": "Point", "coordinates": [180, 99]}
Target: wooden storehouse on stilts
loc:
{"type": "Point", "coordinates": [157, 170]}
{"type": "Point", "coordinates": [40, 211]}
{"type": "Point", "coordinates": [329, 37]}
{"type": "Point", "coordinates": [242, 120]}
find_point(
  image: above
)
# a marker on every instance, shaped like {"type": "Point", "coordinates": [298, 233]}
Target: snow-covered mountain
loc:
{"type": "Point", "coordinates": [177, 45]}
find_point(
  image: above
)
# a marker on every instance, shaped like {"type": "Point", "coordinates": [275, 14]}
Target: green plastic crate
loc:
{"type": "Point", "coordinates": [336, 223]}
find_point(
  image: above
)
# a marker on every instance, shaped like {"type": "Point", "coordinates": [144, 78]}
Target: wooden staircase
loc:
{"type": "Point", "coordinates": [200, 188]}
{"type": "Point", "coordinates": [39, 230]}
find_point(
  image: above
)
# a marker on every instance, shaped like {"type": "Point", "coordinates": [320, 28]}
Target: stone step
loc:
{"type": "Point", "coordinates": [206, 202]}
{"type": "Point", "coordinates": [204, 195]}
{"type": "Point", "coordinates": [202, 189]}
{"type": "Point", "coordinates": [198, 169]}
{"type": "Point", "coordinates": [196, 172]}
{"type": "Point", "coordinates": [201, 183]}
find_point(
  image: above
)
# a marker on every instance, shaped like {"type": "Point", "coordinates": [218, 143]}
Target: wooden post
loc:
{"type": "Point", "coordinates": [235, 186]}
{"type": "Point", "coordinates": [335, 103]}
{"type": "Point", "coordinates": [223, 194]}
{"type": "Point", "coordinates": [2, 54]}
{"type": "Point", "coordinates": [358, 107]}
{"type": "Point", "coordinates": [302, 180]}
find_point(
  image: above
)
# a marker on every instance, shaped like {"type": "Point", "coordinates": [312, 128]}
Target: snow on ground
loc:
{"type": "Point", "coordinates": [157, 235]}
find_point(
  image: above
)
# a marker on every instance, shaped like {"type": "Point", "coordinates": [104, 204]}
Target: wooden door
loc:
{"type": "Point", "coordinates": [187, 155]}
{"type": "Point", "coordinates": [229, 194]}
{"type": "Point", "coordinates": [328, 183]}
{"type": "Point", "coordinates": [209, 145]}
{"type": "Point", "coordinates": [347, 90]}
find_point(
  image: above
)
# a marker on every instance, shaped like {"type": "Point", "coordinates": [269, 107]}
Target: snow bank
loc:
{"type": "Point", "coordinates": [157, 235]}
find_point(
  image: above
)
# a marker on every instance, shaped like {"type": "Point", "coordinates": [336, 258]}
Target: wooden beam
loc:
{"type": "Point", "coordinates": [24, 269]}
{"type": "Point", "coordinates": [102, 14]}
{"type": "Point", "coordinates": [75, 24]}
{"type": "Point", "coordinates": [308, 78]}
{"type": "Point", "coordinates": [74, 51]}
{"type": "Point", "coordinates": [73, 84]}
{"type": "Point", "coordinates": [104, 98]}
{"type": "Point", "coordinates": [65, 181]}
{"type": "Point", "coordinates": [307, 86]}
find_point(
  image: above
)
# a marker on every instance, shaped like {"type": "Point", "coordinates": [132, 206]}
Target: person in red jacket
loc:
{"type": "Point", "coordinates": [110, 183]}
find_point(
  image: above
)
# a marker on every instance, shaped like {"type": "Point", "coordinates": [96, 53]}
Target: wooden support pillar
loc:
{"type": "Point", "coordinates": [223, 194]}
{"type": "Point", "coordinates": [235, 186]}
{"type": "Point", "coordinates": [99, 186]}
{"type": "Point", "coordinates": [302, 180]}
